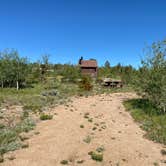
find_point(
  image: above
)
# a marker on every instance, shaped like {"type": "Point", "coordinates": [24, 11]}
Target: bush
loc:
{"type": "Point", "coordinates": [87, 139]}
{"type": "Point", "coordinates": [25, 126]}
{"type": "Point", "coordinates": [9, 137]}
{"type": "Point", "coordinates": [96, 156]}
{"type": "Point", "coordinates": [8, 141]}
{"type": "Point", "coordinates": [85, 83]}
{"type": "Point", "coordinates": [81, 126]}
{"type": "Point", "coordinates": [45, 117]}
{"type": "Point", "coordinates": [151, 82]}
{"type": "Point", "coordinates": [64, 162]}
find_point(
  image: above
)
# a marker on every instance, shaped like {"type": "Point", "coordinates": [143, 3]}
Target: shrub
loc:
{"type": "Point", "coordinates": [87, 139]}
{"type": "Point", "coordinates": [9, 137]}
{"type": "Point", "coordinates": [25, 126]}
{"type": "Point", "coordinates": [151, 81]}
{"type": "Point", "coordinates": [85, 83]}
{"type": "Point", "coordinates": [25, 115]}
{"type": "Point", "coordinates": [32, 107]}
{"type": "Point", "coordinates": [80, 161]}
{"type": "Point", "coordinates": [45, 117]}
{"type": "Point", "coordinates": [64, 162]}
{"type": "Point", "coordinates": [2, 126]}
{"type": "Point", "coordinates": [163, 152]}
{"type": "Point", "coordinates": [94, 128]}
{"type": "Point", "coordinates": [90, 120]}
{"type": "Point", "coordinates": [97, 156]}
{"type": "Point", "coordinates": [8, 140]}
{"type": "Point", "coordinates": [81, 126]}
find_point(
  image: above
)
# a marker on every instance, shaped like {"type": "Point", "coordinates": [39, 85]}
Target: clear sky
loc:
{"type": "Point", "coordinates": [114, 30]}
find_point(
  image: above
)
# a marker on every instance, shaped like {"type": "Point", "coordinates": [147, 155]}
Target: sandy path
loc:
{"type": "Point", "coordinates": [62, 137]}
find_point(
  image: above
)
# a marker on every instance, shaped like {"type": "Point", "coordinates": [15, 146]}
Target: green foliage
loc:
{"type": "Point", "coordinates": [45, 117]}
{"type": "Point", "coordinates": [9, 137]}
{"type": "Point", "coordinates": [149, 117]}
{"type": "Point", "coordinates": [151, 81]}
{"type": "Point", "coordinates": [24, 115]}
{"type": "Point", "coordinates": [96, 156]}
{"type": "Point", "coordinates": [86, 83]}
{"type": "Point", "coordinates": [13, 69]}
{"type": "Point", "coordinates": [126, 73]}
{"type": "Point", "coordinates": [64, 162]}
{"type": "Point", "coordinates": [25, 126]}
{"type": "Point", "coordinates": [81, 126]}
{"type": "Point", "coordinates": [87, 139]}
{"type": "Point", "coordinates": [70, 73]}
{"type": "Point", "coordinates": [80, 161]}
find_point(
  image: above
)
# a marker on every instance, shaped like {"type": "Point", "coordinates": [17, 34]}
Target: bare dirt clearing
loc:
{"type": "Point", "coordinates": [85, 125]}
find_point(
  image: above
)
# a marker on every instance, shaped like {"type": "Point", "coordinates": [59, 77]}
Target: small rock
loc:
{"type": "Point", "coordinates": [11, 157]}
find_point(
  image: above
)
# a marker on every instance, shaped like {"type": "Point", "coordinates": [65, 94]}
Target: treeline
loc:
{"type": "Point", "coordinates": [17, 71]}
{"type": "Point", "coordinates": [124, 73]}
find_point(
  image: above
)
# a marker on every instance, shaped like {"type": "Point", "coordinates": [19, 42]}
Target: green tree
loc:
{"type": "Point", "coordinates": [13, 68]}
{"type": "Point", "coordinates": [152, 75]}
{"type": "Point", "coordinates": [107, 64]}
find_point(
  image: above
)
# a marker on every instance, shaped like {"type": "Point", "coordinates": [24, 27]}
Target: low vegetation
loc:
{"type": "Point", "coordinates": [87, 139]}
{"type": "Point", "coordinates": [44, 116]}
{"type": "Point", "coordinates": [149, 117]}
{"type": "Point", "coordinates": [81, 126]}
{"type": "Point", "coordinates": [96, 156]}
{"type": "Point", "coordinates": [64, 162]}
{"type": "Point", "coordinates": [10, 136]}
{"type": "Point", "coordinates": [163, 152]}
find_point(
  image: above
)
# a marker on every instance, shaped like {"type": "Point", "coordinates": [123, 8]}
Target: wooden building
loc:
{"type": "Point", "coordinates": [88, 67]}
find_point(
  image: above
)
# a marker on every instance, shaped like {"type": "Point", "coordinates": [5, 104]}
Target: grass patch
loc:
{"type": "Point", "coordinates": [81, 126]}
{"type": "Point", "coordinates": [10, 136]}
{"type": "Point", "coordinates": [94, 128]}
{"type": "Point", "coordinates": [90, 120]}
{"type": "Point", "coordinates": [80, 161]}
{"type": "Point", "coordinates": [96, 156]}
{"type": "Point", "coordinates": [45, 117]}
{"type": "Point", "coordinates": [87, 139]}
{"type": "Point", "coordinates": [149, 118]}
{"type": "Point", "coordinates": [64, 162]}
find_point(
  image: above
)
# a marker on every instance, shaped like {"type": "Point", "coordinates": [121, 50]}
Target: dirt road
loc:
{"type": "Point", "coordinates": [110, 127]}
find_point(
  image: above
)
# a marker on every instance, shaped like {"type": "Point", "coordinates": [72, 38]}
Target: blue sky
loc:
{"type": "Point", "coordinates": [114, 30]}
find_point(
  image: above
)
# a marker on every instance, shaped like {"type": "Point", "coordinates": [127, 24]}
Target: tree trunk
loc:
{"type": "Point", "coordinates": [1, 83]}
{"type": "Point", "coordinates": [17, 85]}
